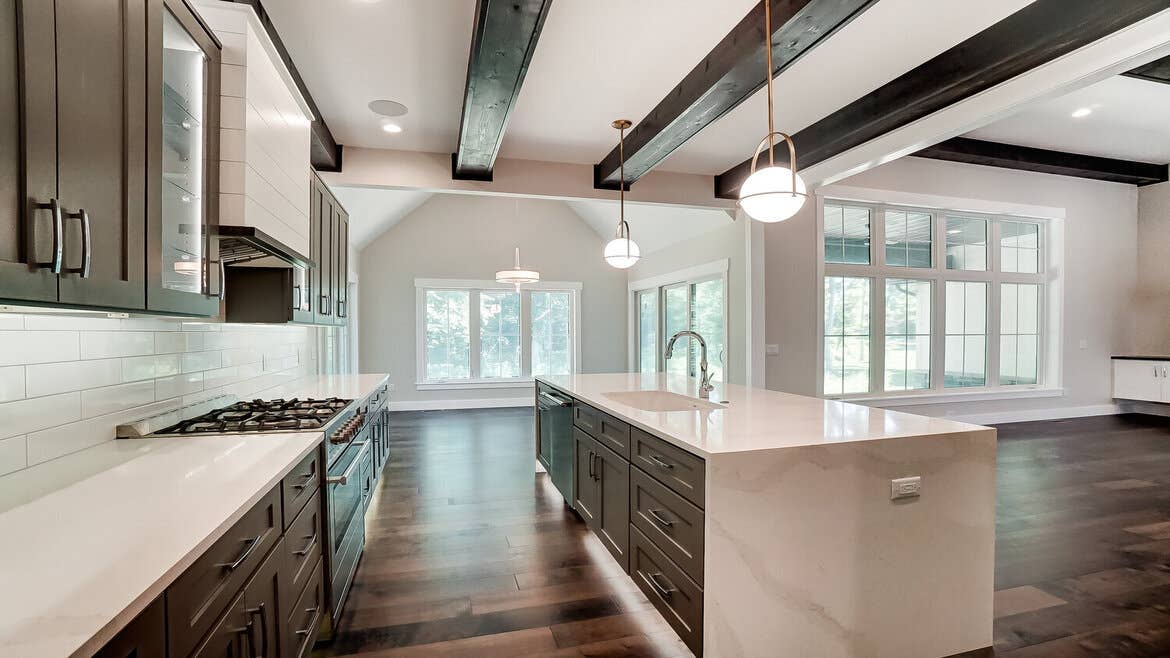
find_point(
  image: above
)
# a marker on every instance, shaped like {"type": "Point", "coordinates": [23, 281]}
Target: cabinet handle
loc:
{"type": "Point", "coordinates": [86, 251]}
{"type": "Point", "coordinates": [244, 637]}
{"type": "Point", "coordinates": [341, 308]}
{"type": "Point", "coordinates": [259, 610]}
{"type": "Point", "coordinates": [297, 304]}
{"type": "Point", "coordinates": [232, 566]}
{"type": "Point", "coordinates": [663, 590]}
{"type": "Point", "coordinates": [313, 623]}
{"type": "Point", "coordinates": [309, 547]}
{"type": "Point", "coordinates": [659, 519]}
{"type": "Point", "coordinates": [222, 277]}
{"type": "Point", "coordinates": [658, 461]}
{"type": "Point", "coordinates": [591, 465]}
{"type": "Point", "coordinates": [54, 263]}
{"type": "Point", "coordinates": [324, 304]}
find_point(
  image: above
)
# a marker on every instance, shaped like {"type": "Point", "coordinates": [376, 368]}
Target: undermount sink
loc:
{"type": "Point", "coordinates": [662, 401]}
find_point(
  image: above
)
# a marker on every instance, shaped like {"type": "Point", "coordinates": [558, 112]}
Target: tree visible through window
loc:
{"type": "Point", "coordinates": [698, 305]}
{"type": "Point", "coordinates": [552, 333]}
{"type": "Point", "coordinates": [448, 345]}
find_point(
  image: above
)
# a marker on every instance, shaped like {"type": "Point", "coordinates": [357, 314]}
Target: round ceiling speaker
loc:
{"type": "Point", "coordinates": [387, 108]}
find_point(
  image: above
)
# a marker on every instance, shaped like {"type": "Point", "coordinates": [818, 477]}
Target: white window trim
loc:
{"type": "Point", "coordinates": [716, 269]}
{"type": "Point", "coordinates": [474, 286]}
{"type": "Point", "coordinates": [1051, 278]}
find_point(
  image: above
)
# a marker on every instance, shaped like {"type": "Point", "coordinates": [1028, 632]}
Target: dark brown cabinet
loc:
{"type": "Point", "coordinates": [81, 141]}
{"type": "Point", "coordinates": [586, 491]}
{"type": "Point", "coordinates": [145, 637]}
{"type": "Point", "coordinates": [231, 636]}
{"type": "Point", "coordinates": [612, 521]}
{"type": "Point", "coordinates": [329, 250]}
{"type": "Point", "coordinates": [262, 603]}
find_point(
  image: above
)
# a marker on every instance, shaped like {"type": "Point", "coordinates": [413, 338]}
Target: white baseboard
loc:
{"type": "Point", "coordinates": [1056, 413]}
{"type": "Point", "coordinates": [480, 403]}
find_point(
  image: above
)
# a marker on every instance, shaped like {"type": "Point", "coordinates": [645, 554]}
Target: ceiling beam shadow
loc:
{"type": "Point", "coordinates": [1031, 37]}
{"type": "Point", "coordinates": [502, 42]}
{"type": "Point", "coordinates": [1027, 158]}
{"type": "Point", "coordinates": [730, 74]}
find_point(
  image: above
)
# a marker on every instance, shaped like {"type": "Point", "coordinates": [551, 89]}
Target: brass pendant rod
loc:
{"type": "Point", "coordinates": [768, 48]}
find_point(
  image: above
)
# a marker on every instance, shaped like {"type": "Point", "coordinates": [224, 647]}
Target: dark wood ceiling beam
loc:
{"type": "Point", "coordinates": [502, 43]}
{"type": "Point", "coordinates": [324, 151]}
{"type": "Point", "coordinates": [1156, 71]}
{"type": "Point", "coordinates": [727, 76]}
{"type": "Point", "coordinates": [1034, 35]}
{"type": "Point", "coordinates": [1027, 158]}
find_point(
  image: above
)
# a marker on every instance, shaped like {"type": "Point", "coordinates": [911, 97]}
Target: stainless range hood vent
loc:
{"type": "Point", "coordinates": [242, 244]}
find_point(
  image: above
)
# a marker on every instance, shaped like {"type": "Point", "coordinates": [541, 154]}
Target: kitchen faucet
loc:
{"type": "Point", "coordinates": [705, 386]}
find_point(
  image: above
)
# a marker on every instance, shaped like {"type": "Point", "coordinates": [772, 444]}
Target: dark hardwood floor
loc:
{"type": "Point", "coordinates": [467, 557]}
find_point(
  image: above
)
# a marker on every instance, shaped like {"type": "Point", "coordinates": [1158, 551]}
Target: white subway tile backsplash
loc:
{"type": "Point", "coordinates": [106, 344]}
{"type": "Point", "coordinates": [13, 454]}
{"type": "Point", "coordinates": [102, 401]}
{"type": "Point", "coordinates": [52, 378]}
{"type": "Point", "coordinates": [22, 347]}
{"type": "Point", "coordinates": [67, 381]}
{"type": "Point", "coordinates": [11, 383]}
{"type": "Point", "coordinates": [32, 414]}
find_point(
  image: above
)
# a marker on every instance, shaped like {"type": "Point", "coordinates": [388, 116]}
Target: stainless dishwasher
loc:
{"type": "Point", "coordinates": [556, 440]}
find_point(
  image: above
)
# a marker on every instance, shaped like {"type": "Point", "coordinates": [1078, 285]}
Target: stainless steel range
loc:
{"type": "Point", "coordinates": [355, 449]}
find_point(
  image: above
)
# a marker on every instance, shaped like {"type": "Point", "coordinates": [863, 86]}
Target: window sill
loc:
{"type": "Point", "coordinates": [936, 397]}
{"type": "Point", "coordinates": [525, 382]}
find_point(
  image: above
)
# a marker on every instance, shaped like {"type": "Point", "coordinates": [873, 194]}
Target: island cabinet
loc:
{"type": "Point", "coordinates": [643, 497]}
{"type": "Point", "coordinates": [256, 592]}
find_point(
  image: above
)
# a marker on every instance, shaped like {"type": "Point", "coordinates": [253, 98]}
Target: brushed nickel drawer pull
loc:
{"type": "Point", "coordinates": [661, 463]}
{"type": "Point", "coordinates": [232, 566]}
{"type": "Point", "coordinates": [309, 546]}
{"type": "Point", "coordinates": [663, 590]}
{"type": "Point", "coordinates": [661, 520]}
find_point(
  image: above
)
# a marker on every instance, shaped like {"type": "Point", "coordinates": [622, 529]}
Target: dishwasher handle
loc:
{"type": "Point", "coordinates": [550, 401]}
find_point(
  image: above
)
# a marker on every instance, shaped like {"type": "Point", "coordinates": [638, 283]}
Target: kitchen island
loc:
{"type": "Point", "coordinates": [762, 523]}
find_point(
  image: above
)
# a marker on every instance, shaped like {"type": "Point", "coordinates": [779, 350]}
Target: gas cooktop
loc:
{"type": "Point", "coordinates": [296, 415]}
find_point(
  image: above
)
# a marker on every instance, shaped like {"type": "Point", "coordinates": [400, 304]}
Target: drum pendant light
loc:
{"type": "Point", "coordinates": [772, 194]}
{"type": "Point", "coordinates": [622, 252]}
{"type": "Point", "coordinates": [517, 276]}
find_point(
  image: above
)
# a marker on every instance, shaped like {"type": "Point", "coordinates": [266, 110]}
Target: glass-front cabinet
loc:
{"type": "Point", "coordinates": [184, 68]}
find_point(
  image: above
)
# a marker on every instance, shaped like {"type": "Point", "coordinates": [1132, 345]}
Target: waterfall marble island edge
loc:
{"type": "Point", "coordinates": [803, 551]}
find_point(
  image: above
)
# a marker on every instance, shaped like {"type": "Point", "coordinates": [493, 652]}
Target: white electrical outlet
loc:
{"type": "Point", "coordinates": [772, 349]}
{"type": "Point", "coordinates": [909, 487]}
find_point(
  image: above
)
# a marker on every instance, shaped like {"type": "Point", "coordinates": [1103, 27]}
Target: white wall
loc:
{"type": "Point", "coordinates": [66, 382]}
{"type": "Point", "coordinates": [1100, 278]}
{"type": "Point", "coordinates": [1151, 331]}
{"type": "Point", "coordinates": [727, 241]}
{"type": "Point", "coordinates": [471, 237]}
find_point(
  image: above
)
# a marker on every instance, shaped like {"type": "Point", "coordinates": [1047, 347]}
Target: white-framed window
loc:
{"type": "Point", "coordinates": [660, 306]}
{"type": "Point", "coordinates": [920, 302]}
{"type": "Point", "coordinates": [476, 334]}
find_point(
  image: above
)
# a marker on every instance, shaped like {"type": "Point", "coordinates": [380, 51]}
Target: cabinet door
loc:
{"type": "Point", "coordinates": [182, 161]}
{"type": "Point", "coordinates": [316, 204]}
{"type": "Point", "coordinates": [145, 637]}
{"type": "Point", "coordinates": [325, 259]}
{"type": "Point", "coordinates": [613, 511]}
{"type": "Point", "coordinates": [28, 147]}
{"type": "Point", "coordinates": [1137, 380]}
{"type": "Point", "coordinates": [335, 261]}
{"type": "Point", "coordinates": [262, 597]}
{"type": "Point", "coordinates": [101, 151]}
{"type": "Point", "coordinates": [232, 636]}
{"type": "Point", "coordinates": [586, 490]}
{"type": "Point", "coordinates": [342, 252]}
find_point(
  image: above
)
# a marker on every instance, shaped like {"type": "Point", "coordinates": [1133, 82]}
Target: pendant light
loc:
{"type": "Point", "coordinates": [622, 252]}
{"type": "Point", "coordinates": [772, 194]}
{"type": "Point", "coordinates": [517, 276]}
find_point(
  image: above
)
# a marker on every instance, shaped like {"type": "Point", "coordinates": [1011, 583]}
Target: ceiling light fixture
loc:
{"type": "Point", "coordinates": [772, 194]}
{"type": "Point", "coordinates": [1081, 112]}
{"type": "Point", "coordinates": [517, 276]}
{"type": "Point", "coordinates": [622, 252]}
{"type": "Point", "coordinates": [391, 127]}
{"type": "Point", "coordinates": [387, 108]}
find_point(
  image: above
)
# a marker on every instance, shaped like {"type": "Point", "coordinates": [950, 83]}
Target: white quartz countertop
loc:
{"type": "Point", "coordinates": [753, 419]}
{"type": "Point", "coordinates": [327, 386]}
{"type": "Point", "coordinates": [90, 539]}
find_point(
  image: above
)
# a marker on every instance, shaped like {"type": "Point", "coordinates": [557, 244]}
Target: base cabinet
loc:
{"type": "Point", "coordinates": [586, 490]}
{"type": "Point", "coordinates": [612, 523]}
{"type": "Point", "coordinates": [145, 637]}
{"type": "Point", "coordinates": [1144, 380]}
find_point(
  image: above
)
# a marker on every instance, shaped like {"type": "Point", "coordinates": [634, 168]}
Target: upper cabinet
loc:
{"type": "Point", "coordinates": [329, 249]}
{"type": "Point", "coordinates": [81, 181]}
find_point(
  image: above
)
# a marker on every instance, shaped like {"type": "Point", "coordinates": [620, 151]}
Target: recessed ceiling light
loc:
{"type": "Point", "coordinates": [387, 108]}
{"type": "Point", "coordinates": [391, 127]}
{"type": "Point", "coordinates": [1082, 112]}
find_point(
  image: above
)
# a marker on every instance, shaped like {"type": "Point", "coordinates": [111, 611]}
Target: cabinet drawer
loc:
{"type": "Point", "coordinates": [230, 636]}
{"type": "Point", "coordinates": [302, 551]}
{"type": "Point", "coordinates": [678, 598]}
{"type": "Point", "coordinates": [670, 521]}
{"type": "Point", "coordinates": [300, 484]}
{"type": "Point", "coordinates": [609, 431]}
{"type": "Point", "coordinates": [305, 616]}
{"type": "Point", "coordinates": [196, 599]}
{"type": "Point", "coordinates": [676, 468]}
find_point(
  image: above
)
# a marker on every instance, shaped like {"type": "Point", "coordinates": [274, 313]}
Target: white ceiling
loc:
{"type": "Point", "coordinates": [596, 60]}
{"type": "Point", "coordinates": [373, 211]}
{"type": "Point", "coordinates": [1130, 121]}
{"type": "Point", "coordinates": [652, 227]}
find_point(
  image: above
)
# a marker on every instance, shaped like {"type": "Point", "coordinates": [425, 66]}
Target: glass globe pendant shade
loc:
{"type": "Point", "coordinates": [767, 195]}
{"type": "Point", "coordinates": [622, 253]}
